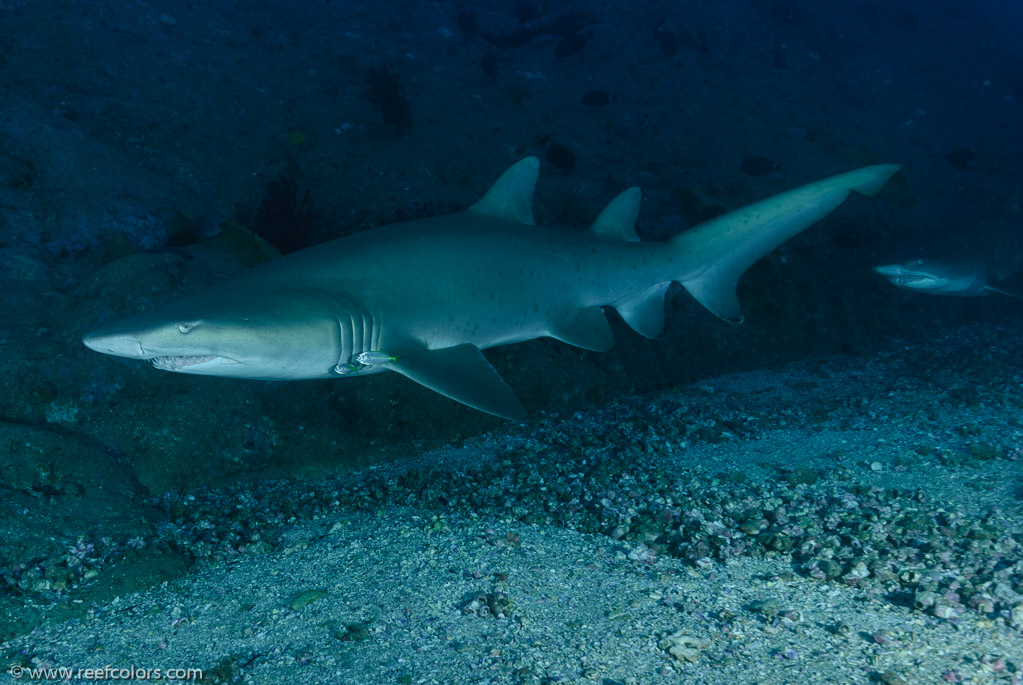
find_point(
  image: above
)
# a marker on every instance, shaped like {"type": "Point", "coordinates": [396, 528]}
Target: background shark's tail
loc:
{"type": "Point", "coordinates": [716, 253]}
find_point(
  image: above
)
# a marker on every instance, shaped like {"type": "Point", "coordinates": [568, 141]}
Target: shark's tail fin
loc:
{"type": "Point", "coordinates": [993, 289]}
{"type": "Point", "coordinates": [714, 254]}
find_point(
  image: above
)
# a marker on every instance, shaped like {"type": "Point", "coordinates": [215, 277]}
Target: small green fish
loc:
{"type": "Point", "coordinates": [363, 361]}
{"type": "Point", "coordinates": [374, 358]}
{"type": "Point", "coordinates": [346, 368]}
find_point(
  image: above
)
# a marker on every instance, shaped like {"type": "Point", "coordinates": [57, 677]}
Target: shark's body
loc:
{"type": "Point", "coordinates": [424, 297]}
{"type": "Point", "coordinates": [960, 278]}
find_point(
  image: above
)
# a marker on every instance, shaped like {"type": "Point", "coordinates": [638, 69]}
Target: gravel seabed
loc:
{"type": "Point", "coordinates": [581, 611]}
{"type": "Point", "coordinates": [476, 563]}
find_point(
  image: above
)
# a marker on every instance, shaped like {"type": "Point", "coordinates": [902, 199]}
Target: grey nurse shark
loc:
{"type": "Point", "coordinates": [424, 297]}
{"type": "Point", "coordinates": [959, 277]}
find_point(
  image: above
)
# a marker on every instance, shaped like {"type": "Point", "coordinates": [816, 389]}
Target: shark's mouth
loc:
{"type": "Point", "coordinates": [180, 362]}
{"type": "Point", "coordinates": [907, 279]}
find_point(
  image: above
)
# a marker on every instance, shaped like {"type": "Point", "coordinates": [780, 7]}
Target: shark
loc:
{"type": "Point", "coordinates": [962, 278]}
{"type": "Point", "coordinates": [422, 298]}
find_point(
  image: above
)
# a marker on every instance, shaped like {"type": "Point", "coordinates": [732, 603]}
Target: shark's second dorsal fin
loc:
{"type": "Point", "coordinates": [511, 197]}
{"type": "Point", "coordinates": [618, 220]}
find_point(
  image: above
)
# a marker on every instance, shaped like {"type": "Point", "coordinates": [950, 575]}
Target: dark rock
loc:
{"type": "Point", "coordinates": [667, 40]}
{"type": "Point", "coordinates": [490, 62]}
{"type": "Point", "coordinates": [284, 218]}
{"type": "Point", "coordinates": [755, 165]}
{"type": "Point", "coordinates": [963, 158]}
{"type": "Point", "coordinates": [570, 45]}
{"type": "Point", "coordinates": [905, 20]}
{"type": "Point", "coordinates": [697, 41]}
{"type": "Point", "coordinates": [468, 24]}
{"type": "Point", "coordinates": [781, 57]}
{"type": "Point", "coordinates": [526, 12]}
{"type": "Point", "coordinates": [384, 90]}
{"type": "Point", "coordinates": [515, 39]}
{"type": "Point", "coordinates": [561, 157]}
{"type": "Point", "coordinates": [598, 98]}
{"type": "Point", "coordinates": [24, 266]}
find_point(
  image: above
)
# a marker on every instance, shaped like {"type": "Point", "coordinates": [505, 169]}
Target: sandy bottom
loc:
{"type": "Point", "coordinates": [447, 569]}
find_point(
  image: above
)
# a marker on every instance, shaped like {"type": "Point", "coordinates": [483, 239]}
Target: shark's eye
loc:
{"type": "Point", "coordinates": [185, 327]}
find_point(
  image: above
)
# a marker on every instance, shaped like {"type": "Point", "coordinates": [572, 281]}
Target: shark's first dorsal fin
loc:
{"type": "Point", "coordinates": [618, 220]}
{"type": "Point", "coordinates": [511, 197]}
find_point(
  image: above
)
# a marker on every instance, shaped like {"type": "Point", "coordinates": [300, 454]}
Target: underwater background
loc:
{"type": "Point", "coordinates": [827, 493]}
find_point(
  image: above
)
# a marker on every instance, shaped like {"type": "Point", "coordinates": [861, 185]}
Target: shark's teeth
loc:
{"type": "Point", "coordinates": [175, 363]}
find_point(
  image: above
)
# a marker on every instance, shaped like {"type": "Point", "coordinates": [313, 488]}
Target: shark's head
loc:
{"type": "Point", "coordinates": [269, 337]}
{"type": "Point", "coordinates": [937, 277]}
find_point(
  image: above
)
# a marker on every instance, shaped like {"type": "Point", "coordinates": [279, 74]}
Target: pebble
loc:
{"type": "Point", "coordinates": [684, 647]}
{"type": "Point", "coordinates": [768, 608]}
{"type": "Point", "coordinates": [893, 678]}
{"type": "Point", "coordinates": [304, 599]}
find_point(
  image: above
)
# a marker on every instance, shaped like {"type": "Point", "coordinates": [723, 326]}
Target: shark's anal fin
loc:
{"type": "Point", "coordinates": [586, 328]}
{"type": "Point", "coordinates": [461, 373]}
{"type": "Point", "coordinates": [645, 312]}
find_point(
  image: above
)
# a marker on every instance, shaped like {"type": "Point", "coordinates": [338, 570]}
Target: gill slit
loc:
{"type": "Point", "coordinates": [366, 341]}
{"type": "Point", "coordinates": [342, 344]}
{"type": "Point", "coordinates": [362, 335]}
{"type": "Point", "coordinates": [355, 335]}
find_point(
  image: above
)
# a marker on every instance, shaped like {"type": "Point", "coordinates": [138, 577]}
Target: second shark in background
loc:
{"type": "Point", "coordinates": [963, 278]}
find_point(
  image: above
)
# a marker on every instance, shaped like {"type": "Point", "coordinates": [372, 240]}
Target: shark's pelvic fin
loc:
{"type": "Point", "coordinates": [645, 313]}
{"type": "Point", "coordinates": [587, 328]}
{"type": "Point", "coordinates": [716, 253]}
{"type": "Point", "coordinates": [461, 373]}
{"type": "Point", "coordinates": [511, 197]}
{"type": "Point", "coordinates": [618, 220]}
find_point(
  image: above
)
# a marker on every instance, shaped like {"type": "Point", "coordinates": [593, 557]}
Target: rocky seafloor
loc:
{"type": "Point", "coordinates": [838, 520]}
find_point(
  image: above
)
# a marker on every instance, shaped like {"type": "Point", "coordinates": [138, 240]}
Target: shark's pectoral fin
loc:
{"type": "Point", "coordinates": [586, 328]}
{"type": "Point", "coordinates": [461, 373]}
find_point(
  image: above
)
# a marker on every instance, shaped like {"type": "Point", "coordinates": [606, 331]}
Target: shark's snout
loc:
{"type": "Point", "coordinates": [118, 344]}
